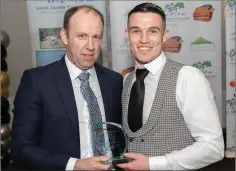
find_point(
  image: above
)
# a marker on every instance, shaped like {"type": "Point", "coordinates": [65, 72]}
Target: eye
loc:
{"type": "Point", "coordinates": [135, 31]}
{"type": "Point", "coordinates": [82, 36]}
{"type": "Point", "coordinates": [97, 37]}
{"type": "Point", "coordinates": [153, 31]}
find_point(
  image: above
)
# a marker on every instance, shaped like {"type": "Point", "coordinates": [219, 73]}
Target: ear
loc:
{"type": "Point", "coordinates": [64, 37]}
{"type": "Point", "coordinates": [127, 33]}
{"type": "Point", "coordinates": [165, 35]}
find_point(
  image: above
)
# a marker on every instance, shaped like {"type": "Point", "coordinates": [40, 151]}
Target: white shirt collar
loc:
{"type": "Point", "coordinates": [154, 65]}
{"type": "Point", "coordinates": [74, 71]}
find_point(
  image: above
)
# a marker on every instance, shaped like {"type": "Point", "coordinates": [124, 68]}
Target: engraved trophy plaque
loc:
{"type": "Point", "coordinates": [115, 143]}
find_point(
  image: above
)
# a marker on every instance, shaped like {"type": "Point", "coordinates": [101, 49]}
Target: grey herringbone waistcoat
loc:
{"type": "Point", "coordinates": [165, 130]}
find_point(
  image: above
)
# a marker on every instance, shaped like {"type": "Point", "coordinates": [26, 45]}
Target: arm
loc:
{"type": "Point", "coordinates": [196, 102]}
{"type": "Point", "coordinates": [26, 129]}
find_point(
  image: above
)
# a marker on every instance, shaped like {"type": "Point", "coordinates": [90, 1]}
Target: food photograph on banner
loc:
{"type": "Point", "coordinates": [50, 38]}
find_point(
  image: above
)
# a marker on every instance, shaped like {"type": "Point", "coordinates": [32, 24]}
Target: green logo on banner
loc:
{"type": "Point", "coordinates": [173, 6]}
{"type": "Point", "coordinates": [203, 65]}
{"type": "Point", "coordinates": [201, 40]}
{"type": "Point", "coordinates": [206, 68]}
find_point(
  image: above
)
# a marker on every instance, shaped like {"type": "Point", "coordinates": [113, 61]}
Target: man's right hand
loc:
{"type": "Point", "coordinates": [92, 163]}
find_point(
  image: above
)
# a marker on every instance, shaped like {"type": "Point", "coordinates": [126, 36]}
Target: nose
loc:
{"type": "Point", "coordinates": [144, 38]}
{"type": "Point", "coordinates": [90, 44]}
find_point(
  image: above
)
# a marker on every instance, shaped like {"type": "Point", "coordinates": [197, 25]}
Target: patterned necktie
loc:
{"type": "Point", "coordinates": [95, 117]}
{"type": "Point", "coordinates": [135, 109]}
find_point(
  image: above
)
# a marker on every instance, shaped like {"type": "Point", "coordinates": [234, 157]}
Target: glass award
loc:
{"type": "Point", "coordinates": [115, 143]}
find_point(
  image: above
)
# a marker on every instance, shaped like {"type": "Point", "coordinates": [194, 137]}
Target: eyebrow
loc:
{"type": "Point", "coordinates": [155, 28]}
{"type": "Point", "coordinates": [88, 34]}
{"type": "Point", "coordinates": [136, 27]}
{"type": "Point", "coordinates": [133, 27]}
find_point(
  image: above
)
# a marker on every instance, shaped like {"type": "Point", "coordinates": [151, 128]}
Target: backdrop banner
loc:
{"type": "Point", "coordinates": [194, 38]}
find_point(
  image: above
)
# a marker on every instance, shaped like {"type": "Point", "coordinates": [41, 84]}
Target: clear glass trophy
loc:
{"type": "Point", "coordinates": [115, 143]}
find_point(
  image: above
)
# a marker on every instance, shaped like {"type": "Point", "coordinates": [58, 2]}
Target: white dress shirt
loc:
{"type": "Point", "coordinates": [195, 100]}
{"type": "Point", "coordinates": [83, 114]}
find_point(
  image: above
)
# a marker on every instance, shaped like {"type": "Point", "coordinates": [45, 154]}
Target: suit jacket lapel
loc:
{"type": "Point", "coordinates": [65, 89]}
{"type": "Point", "coordinates": [104, 87]}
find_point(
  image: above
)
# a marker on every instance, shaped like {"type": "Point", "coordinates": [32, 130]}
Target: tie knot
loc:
{"type": "Point", "coordinates": [84, 76]}
{"type": "Point", "coordinates": [141, 74]}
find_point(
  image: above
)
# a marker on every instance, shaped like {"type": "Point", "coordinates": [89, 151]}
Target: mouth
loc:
{"type": "Point", "coordinates": [88, 56]}
{"type": "Point", "coordinates": [144, 48]}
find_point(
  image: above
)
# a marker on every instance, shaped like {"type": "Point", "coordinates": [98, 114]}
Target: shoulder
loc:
{"type": "Point", "coordinates": [174, 65]}
{"type": "Point", "coordinates": [189, 71]}
{"type": "Point", "coordinates": [108, 72]}
{"type": "Point", "coordinates": [192, 75]}
{"type": "Point", "coordinates": [184, 70]}
{"type": "Point", "coordinates": [39, 72]}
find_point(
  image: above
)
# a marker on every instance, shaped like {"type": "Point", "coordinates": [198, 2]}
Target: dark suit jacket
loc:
{"type": "Point", "coordinates": [45, 130]}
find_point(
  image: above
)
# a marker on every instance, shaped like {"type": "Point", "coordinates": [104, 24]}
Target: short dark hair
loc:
{"type": "Point", "coordinates": [70, 12]}
{"type": "Point", "coordinates": [149, 7]}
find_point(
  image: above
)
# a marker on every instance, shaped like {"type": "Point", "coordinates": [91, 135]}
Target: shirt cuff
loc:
{"type": "Point", "coordinates": [157, 163]}
{"type": "Point", "coordinates": [71, 163]}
